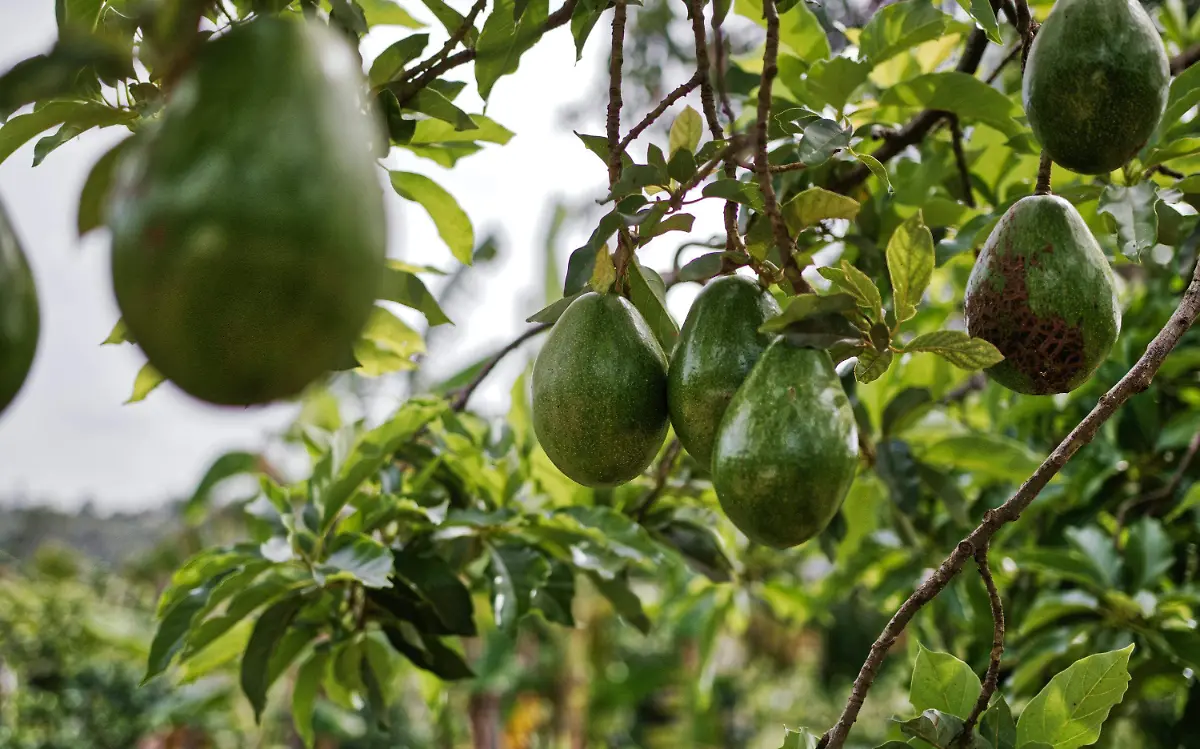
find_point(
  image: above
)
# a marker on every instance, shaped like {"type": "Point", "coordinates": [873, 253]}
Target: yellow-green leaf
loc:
{"type": "Point", "coordinates": [147, 379]}
{"type": "Point", "coordinates": [910, 260]}
{"type": "Point", "coordinates": [452, 222]}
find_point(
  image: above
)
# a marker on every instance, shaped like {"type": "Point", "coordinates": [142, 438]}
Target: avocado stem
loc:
{"type": "Point", "coordinates": [1043, 178]}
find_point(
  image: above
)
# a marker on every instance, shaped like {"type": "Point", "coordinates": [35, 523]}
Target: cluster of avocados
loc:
{"type": "Point", "coordinates": [769, 418]}
{"type": "Point", "coordinates": [1042, 292]}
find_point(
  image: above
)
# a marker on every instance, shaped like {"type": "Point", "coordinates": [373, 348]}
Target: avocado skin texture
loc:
{"type": "Point", "coordinates": [1096, 83]}
{"type": "Point", "coordinates": [717, 348]}
{"type": "Point", "coordinates": [600, 392]}
{"type": "Point", "coordinates": [787, 448]}
{"type": "Point", "coordinates": [1043, 293]}
{"type": "Point", "coordinates": [20, 320]}
{"type": "Point", "coordinates": [249, 232]}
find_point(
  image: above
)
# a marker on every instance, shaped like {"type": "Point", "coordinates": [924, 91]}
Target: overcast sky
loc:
{"type": "Point", "coordinates": [68, 438]}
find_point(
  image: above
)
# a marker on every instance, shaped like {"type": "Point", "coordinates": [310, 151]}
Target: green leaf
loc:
{"type": "Point", "coordinates": [746, 193]}
{"type": "Point", "coordinates": [1183, 95]}
{"type": "Point", "coordinates": [997, 726]}
{"type": "Point", "coordinates": [686, 131]}
{"type": "Point", "coordinates": [503, 41]}
{"type": "Point", "coordinates": [1149, 553]}
{"type": "Point", "coordinates": [799, 28]}
{"type": "Point", "coordinates": [356, 557]}
{"type": "Point", "coordinates": [440, 132]}
{"type": "Point", "coordinates": [679, 222]}
{"type": "Point", "coordinates": [551, 312]}
{"type": "Point", "coordinates": [958, 348]}
{"type": "Point", "coordinates": [1065, 564]}
{"type": "Point", "coordinates": [1133, 215]}
{"type": "Point", "coordinates": [404, 287]}
{"type": "Point", "coordinates": [986, 455]}
{"type": "Point", "coordinates": [910, 260]}
{"type": "Point", "coordinates": [70, 67]}
{"type": "Point", "coordinates": [583, 20]}
{"type": "Point", "coordinates": [831, 82]}
{"type": "Point", "coordinates": [964, 95]}
{"type": "Point", "coordinates": [872, 365]}
{"type": "Point", "coordinates": [304, 694]}
{"type": "Point", "coordinates": [902, 25]}
{"type": "Point", "coordinates": [439, 587]}
{"type": "Point", "coordinates": [21, 129]}
{"type": "Point", "coordinates": [623, 599]}
{"type": "Point", "coordinates": [985, 16]}
{"type": "Point", "coordinates": [430, 102]}
{"type": "Point", "coordinates": [386, 345]}
{"type": "Point", "coordinates": [1173, 150]}
{"type": "Point", "coordinates": [174, 628]}
{"type": "Point", "coordinates": [94, 198]}
{"type": "Point", "coordinates": [1070, 710]}
{"type": "Point", "coordinates": [349, 15]}
{"type": "Point", "coordinates": [800, 738]}
{"type": "Point", "coordinates": [388, 13]}
{"type": "Point", "coordinates": [704, 267]}
{"type": "Point", "coordinates": [452, 222]}
{"type": "Point", "coordinates": [517, 571]}
{"type": "Point", "coordinates": [817, 204]}
{"type": "Point", "coordinates": [878, 169]}
{"type": "Point", "coordinates": [808, 305]}
{"type": "Point", "coordinates": [653, 309]}
{"type": "Point", "coordinates": [859, 285]}
{"type": "Point", "coordinates": [119, 334]}
{"type": "Point", "coordinates": [1097, 547]}
{"type": "Point", "coordinates": [80, 15]}
{"type": "Point", "coordinates": [427, 652]}
{"type": "Point", "coordinates": [822, 139]}
{"type": "Point", "coordinates": [1051, 607]}
{"type": "Point", "coordinates": [604, 273]}
{"type": "Point", "coordinates": [244, 602]}
{"type": "Point", "coordinates": [264, 640]}
{"type": "Point", "coordinates": [147, 379]}
{"type": "Point", "coordinates": [682, 166]}
{"type": "Point", "coordinates": [390, 62]}
{"type": "Point", "coordinates": [699, 546]}
{"type": "Point", "coordinates": [944, 683]}
{"type": "Point", "coordinates": [555, 598]}
{"type": "Point", "coordinates": [934, 727]}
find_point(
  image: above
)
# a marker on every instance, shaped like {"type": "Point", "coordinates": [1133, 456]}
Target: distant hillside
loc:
{"type": "Point", "coordinates": [109, 539]}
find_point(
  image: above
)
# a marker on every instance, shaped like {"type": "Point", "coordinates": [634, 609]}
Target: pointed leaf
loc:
{"type": "Point", "coordinates": [503, 41]}
{"type": "Point", "coordinates": [304, 694]}
{"type": "Point", "coordinates": [452, 223]}
{"type": "Point", "coordinates": [403, 287]}
{"type": "Point", "coordinates": [815, 205]}
{"type": "Point", "coordinates": [390, 62]}
{"type": "Point", "coordinates": [985, 16]}
{"type": "Point", "coordinates": [958, 348]}
{"type": "Point", "coordinates": [872, 365]}
{"type": "Point", "coordinates": [148, 378]}
{"type": "Point", "coordinates": [1070, 710]}
{"type": "Point", "coordinates": [517, 571]}
{"type": "Point", "coordinates": [685, 132]}
{"type": "Point", "coordinates": [94, 198]}
{"type": "Point", "coordinates": [808, 305]}
{"type": "Point", "coordinates": [264, 640]}
{"type": "Point", "coordinates": [942, 682]}
{"type": "Point", "coordinates": [910, 260]}
{"type": "Point", "coordinates": [653, 309]}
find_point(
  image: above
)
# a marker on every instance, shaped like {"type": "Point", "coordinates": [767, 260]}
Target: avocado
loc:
{"type": "Point", "coordinates": [248, 226]}
{"type": "Point", "coordinates": [20, 321]}
{"type": "Point", "coordinates": [1043, 293]}
{"type": "Point", "coordinates": [718, 346]}
{"type": "Point", "coordinates": [1096, 83]}
{"type": "Point", "coordinates": [600, 392]}
{"type": "Point", "coordinates": [787, 448]}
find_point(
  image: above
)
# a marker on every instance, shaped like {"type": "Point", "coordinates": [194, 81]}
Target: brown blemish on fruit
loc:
{"type": "Point", "coordinates": [1046, 350]}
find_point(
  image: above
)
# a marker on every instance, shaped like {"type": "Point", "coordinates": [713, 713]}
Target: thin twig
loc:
{"type": "Point", "coordinates": [625, 247]}
{"type": "Point", "coordinates": [992, 677]}
{"type": "Point", "coordinates": [683, 90]}
{"type": "Point", "coordinates": [660, 480]}
{"type": "Point", "coordinates": [462, 57]}
{"type": "Point", "coordinates": [722, 61]}
{"type": "Point", "coordinates": [1012, 55]}
{"type": "Point", "coordinates": [762, 167]}
{"type": "Point", "coordinates": [1137, 380]}
{"type": "Point", "coordinates": [961, 158]}
{"type": "Point", "coordinates": [1165, 492]}
{"type": "Point", "coordinates": [736, 144]}
{"type": "Point", "coordinates": [459, 34]}
{"type": "Point", "coordinates": [1045, 168]}
{"type": "Point", "coordinates": [1026, 28]}
{"type": "Point", "coordinates": [461, 396]}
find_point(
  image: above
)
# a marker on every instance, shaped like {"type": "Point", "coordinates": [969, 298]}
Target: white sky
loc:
{"type": "Point", "coordinates": [68, 438]}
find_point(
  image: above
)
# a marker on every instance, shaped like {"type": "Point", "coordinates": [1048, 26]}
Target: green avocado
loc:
{"type": "Point", "coordinates": [1043, 293]}
{"type": "Point", "coordinates": [1096, 83]}
{"type": "Point", "coordinates": [248, 227]}
{"type": "Point", "coordinates": [717, 348]}
{"type": "Point", "coordinates": [600, 392]}
{"type": "Point", "coordinates": [787, 447]}
{"type": "Point", "coordinates": [20, 321]}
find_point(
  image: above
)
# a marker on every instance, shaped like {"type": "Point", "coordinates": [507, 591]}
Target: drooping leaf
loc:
{"type": "Point", "coordinates": [404, 287]}
{"type": "Point", "coordinates": [94, 197]}
{"type": "Point", "coordinates": [84, 115]}
{"type": "Point", "coordinates": [944, 683]}
{"type": "Point", "coordinates": [269, 630]}
{"type": "Point", "coordinates": [685, 131]}
{"type": "Point", "coordinates": [700, 547]}
{"type": "Point", "coordinates": [1070, 710]}
{"type": "Point", "coordinates": [517, 571]}
{"type": "Point", "coordinates": [583, 20]}
{"type": "Point", "coordinates": [859, 285]}
{"type": "Point", "coordinates": [438, 586]}
{"type": "Point", "coordinates": [653, 309]}
{"type": "Point", "coordinates": [390, 62]}
{"type": "Point", "coordinates": [902, 25]}
{"type": "Point", "coordinates": [877, 169]}
{"type": "Point", "coordinates": [64, 70]}
{"type": "Point", "coordinates": [958, 348]}
{"type": "Point", "coordinates": [304, 694]}
{"type": "Point", "coordinates": [428, 652]}
{"type": "Point", "coordinates": [623, 599]}
{"type": "Point", "coordinates": [872, 365]}
{"type": "Point", "coordinates": [985, 16]}
{"type": "Point", "coordinates": [148, 378]}
{"type": "Point", "coordinates": [503, 41]}
{"type": "Point", "coordinates": [815, 205]}
{"type": "Point", "coordinates": [430, 102]}
{"type": "Point", "coordinates": [451, 221]}
{"type": "Point", "coordinates": [964, 95]}
{"type": "Point", "coordinates": [808, 305]}
{"type": "Point", "coordinates": [997, 726]}
{"type": "Point", "coordinates": [910, 260]}
{"type": "Point", "coordinates": [1133, 214]}
{"type": "Point", "coordinates": [173, 629]}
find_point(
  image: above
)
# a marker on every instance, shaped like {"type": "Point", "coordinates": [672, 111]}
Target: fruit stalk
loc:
{"type": "Point", "coordinates": [1045, 167]}
{"type": "Point", "coordinates": [1135, 381]}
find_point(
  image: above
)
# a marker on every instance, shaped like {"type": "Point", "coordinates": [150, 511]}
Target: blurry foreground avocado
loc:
{"type": "Point", "coordinates": [19, 317]}
{"type": "Point", "coordinates": [719, 344]}
{"type": "Point", "coordinates": [787, 447]}
{"type": "Point", "coordinates": [248, 226]}
{"type": "Point", "coordinates": [1096, 83]}
{"type": "Point", "coordinates": [1043, 293]}
{"type": "Point", "coordinates": [600, 392]}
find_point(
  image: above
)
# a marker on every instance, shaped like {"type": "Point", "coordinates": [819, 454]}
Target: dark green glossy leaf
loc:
{"type": "Point", "coordinates": [503, 41]}
{"type": "Point", "coordinates": [356, 557]}
{"type": "Point", "coordinates": [93, 200]}
{"type": "Point", "coordinates": [390, 62]}
{"type": "Point", "coordinates": [944, 683]}
{"type": "Point", "coordinates": [700, 547]}
{"type": "Point", "coordinates": [623, 599]}
{"type": "Point", "coordinates": [268, 631]}
{"type": "Point", "coordinates": [516, 572]}
{"type": "Point", "coordinates": [652, 307]}
{"type": "Point", "coordinates": [439, 586]}
{"type": "Point", "coordinates": [404, 287]}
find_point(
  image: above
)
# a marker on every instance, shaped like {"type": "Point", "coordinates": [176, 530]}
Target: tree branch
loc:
{"type": "Point", "coordinates": [461, 396]}
{"type": "Point", "coordinates": [615, 62]}
{"type": "Point", "coordinates": [683, 90]}
{"type": "Point", "coordinates": [459, 34]}
{"type": "Point", "coordinates": [961, 158]}
{"type": "Point", "coordinates": [1135, 381]}
{"type": "Point", "coordinates": [1185, 59]}
{"type": "Point", "coordinates": [992, 677]}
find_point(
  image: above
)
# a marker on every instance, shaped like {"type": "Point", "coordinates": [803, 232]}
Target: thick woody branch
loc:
{"type": "Point", "coordinates": [613, 121]}
{"type": "Point", "coordinates": [964, 170]}
{"type": "Point", "coordinates": [992, 677]}
{"type": "Point", "coordinates": [459, 401]}
{"type": "Point", "coordinates": [1135, 381]}
{"type": "Point", "coordinates": [1045, 169]}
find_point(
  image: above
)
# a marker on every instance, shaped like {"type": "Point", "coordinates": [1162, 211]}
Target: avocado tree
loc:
{"type": "Point", "coordinates": [908, 308]}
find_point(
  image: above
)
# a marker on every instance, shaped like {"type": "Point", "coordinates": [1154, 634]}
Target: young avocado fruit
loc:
{"type": "Point", "coordinates": [1096, 83]}
{"type": "Point", "coordinates": [787, 447]}
{"type": "Point", "coordinates": [600, 392]}
{"type": "Point", "coordinates": [718, 346]}
{"type": "Point", "coordinates": [248, 227]}
{"type": "Point", "coordinates": [1043, 293]}
{"type": "Point", "coordinates": [20, 321]}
